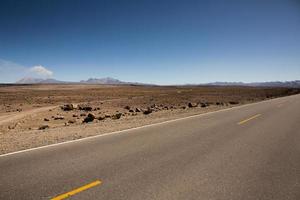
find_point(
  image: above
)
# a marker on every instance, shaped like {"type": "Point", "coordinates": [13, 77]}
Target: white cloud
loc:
{"type": "Point", "coordinates": [41, 71]}
{"type": "Point", "coordinates": [11, 72]}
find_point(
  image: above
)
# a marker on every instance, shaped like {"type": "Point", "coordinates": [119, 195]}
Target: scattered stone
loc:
{"type": "Point", "coordinates": [68, 107]}
{"type": "Point", "coordinates": [107, 116]}
{"type": "Point", "coordinates": [203, 105]}
{"type": "Point", "coordinates": [85, 107]}
{"type": "Point", "coordinates": [82, 114]}
{"type": "Point", "coordinates": [183, 107]}
{"type": "Point", "coordinates": [154, 106]}
{"type": "Point", "coordinates": [19, 109]}
{"type": "Point", "coordinates": [131, 110]}
{"type": "Point", "coordinates": [46, 120]}
{"type": "Point", "coordinates": [127, 107]}
{"type": "Point", "coordinates": [117, 116]}
{"type": "Point", "coordinates": [89, 118]}
{"type": "Point", "coordinates": [148, 111]}
{"type": "Point", "coordinates": [72, 121]}
{"type": "Point", "coordinates": [43, 127]}
{"type": "Point", "coordinates": [101, 118]}
{"type": "Point", "coordinates": [59, 117]}
{"type": "Point", "coordinates": [192, 105]}
{"type": "Point", "coordinates": [233, 102]}
{"type": "Point", "coordinates": [74, 115]}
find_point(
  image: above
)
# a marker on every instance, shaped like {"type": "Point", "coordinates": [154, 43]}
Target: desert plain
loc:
{"type": "Point", "coordinates": [41, 114]}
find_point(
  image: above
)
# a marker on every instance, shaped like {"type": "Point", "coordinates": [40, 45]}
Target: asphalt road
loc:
{"type": "Point", "coordinates": [249, 152]}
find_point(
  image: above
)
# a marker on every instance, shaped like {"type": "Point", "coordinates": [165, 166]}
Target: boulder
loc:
{"type": "Point", "coordinates": [117, 116]}
{"type": "Point", "coordinates": [148, 111]}
{"type": "Point", "coordinates": [72, 121]}
{"type": "Point", "coordinates": [127, 107]}
{"type": "Point", "coordinates": [101, 118]}
{"type": "Point", "coordinates": [42, 127]}
{"type": "Point", "coordinates": [233, 102]}
{"type": "Point", "coordinates": [59, 117]}
{"type": "Point", "coordinates": [68, 107]}
{"type": "Point", "coordinates": [138, 110]}
{"type": "Point", "coordinates": [85, 107]}
{"type": "Point", "coordinates": [89, 118]}
{"type": "Point", "coordinates": [192, 105]}
{"type": "Point", "coordinates": [203, 105]}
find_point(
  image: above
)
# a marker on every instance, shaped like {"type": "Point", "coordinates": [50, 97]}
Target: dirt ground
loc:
{"type": "Point", "coordinates": [34, 115]}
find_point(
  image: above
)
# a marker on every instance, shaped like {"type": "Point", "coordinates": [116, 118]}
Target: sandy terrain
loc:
{"type": "Point", "coordinates": [25, 109]}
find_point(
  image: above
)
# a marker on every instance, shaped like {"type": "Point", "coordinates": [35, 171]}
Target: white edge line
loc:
{"type": "Point", "coordinates": [140, 127]}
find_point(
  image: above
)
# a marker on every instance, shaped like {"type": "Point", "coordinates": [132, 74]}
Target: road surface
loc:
{"type": "Point", "coordinates": [248, 152]}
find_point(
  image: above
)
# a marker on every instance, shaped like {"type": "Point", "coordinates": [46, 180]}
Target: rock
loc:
{"type": "Point", "coordinates": [117, 116]}
{"type": "Point", "coordinates": [46, 119]}
{"type": "Point", "coordinates": [72, 121]}
{"type": "Point", "coordinates": [154, 106]}
{"type": "Point", "coordinates": [183, 107]}
{"type": "Point", "coordinates": [192, 105]}
{"type": "Point", "coordinates": [101, 118]}
{"type": "Point", "coordinates": [68, 107]}
{"type": "Point", "coordinates": [43, 127]}
{"type": "Point", "coordinates": [233, 102]}
{"type": "Point", "coordinates": [89, 118]}
{"type": "Point", "coordinates": [148, 111]}
{"type": "Point", "coordinates": [85, 107]}
{"type": "Point", "coordinates": [107, 116]}
{"type": "Point", "coordinates": [127, 107]}
{"type": "Point", "coordinates": [138, 110]}
{"type": "Point", "coordinates": [59, 117]}
{"type": "Point", "coordinates": [203, 105]}
{"type": "Point", "coordinates": [74, 115]}
{"type": "Point", "coordinates": [131, 110]}
{"type": "Point", "coordinates": [82, 114]}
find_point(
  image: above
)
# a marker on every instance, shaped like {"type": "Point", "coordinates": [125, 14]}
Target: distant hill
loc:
{"type": "Point", "coordinates": [29, 80]}
{"type": "Point", "coordinates": [107, 80]}
{"type": "Point", "coordinates": [291, 84]}
{"type": "Point", "coordinates": [103, 81]}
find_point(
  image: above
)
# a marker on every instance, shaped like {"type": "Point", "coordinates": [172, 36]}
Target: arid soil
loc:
{"type": "Point", "coordinates": [37, 115]}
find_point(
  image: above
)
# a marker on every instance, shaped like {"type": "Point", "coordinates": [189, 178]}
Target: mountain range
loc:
{"type": "Point", "coordinates": [113, 81]}
{"type": "Point", "coordinates": [103, 81]}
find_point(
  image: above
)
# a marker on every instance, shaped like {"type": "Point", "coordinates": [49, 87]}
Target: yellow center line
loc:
{"type": "Point", "coordinates": [246, 120]}
{"type": "Point", "coordinates": [80, 189]}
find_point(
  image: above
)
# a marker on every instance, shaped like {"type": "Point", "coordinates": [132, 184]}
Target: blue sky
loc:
{"type": "Point", "coordinates": [162, 42]}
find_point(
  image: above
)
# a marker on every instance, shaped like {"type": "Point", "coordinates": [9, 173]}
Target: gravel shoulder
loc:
{"type": "Point", "coordinates": [16, 140]}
